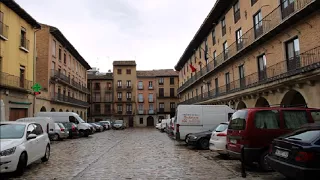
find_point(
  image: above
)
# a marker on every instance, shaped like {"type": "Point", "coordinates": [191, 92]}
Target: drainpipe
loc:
{"type": "Point", "coordinates": [34, 67]}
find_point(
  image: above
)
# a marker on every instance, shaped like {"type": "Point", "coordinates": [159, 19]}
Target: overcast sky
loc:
{"type": "Point", "coordinates": [153, 32]}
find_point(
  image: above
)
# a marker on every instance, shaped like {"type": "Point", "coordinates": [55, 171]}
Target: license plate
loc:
{"type": "Point", "coordinates": [233, 141]}
{"type": "Point", "coordinates": [280, 153]}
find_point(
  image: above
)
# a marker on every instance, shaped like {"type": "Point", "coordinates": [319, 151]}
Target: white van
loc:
{"type": "Point", "coordinates": [47, 123]}
{"type": "Point", "coordinates": [84, 128]}
{"type": "Point", "coordinates": [198, 118]}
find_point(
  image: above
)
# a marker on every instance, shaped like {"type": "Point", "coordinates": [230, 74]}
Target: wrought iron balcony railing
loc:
{"type": "Point", "coordinates": [59, 75]}
{"type": "Point", "coordinates": [146, 111]}
{"type": "Point", "coordinates": [305, 62]}
{"type": "Point", "coordinates": [9, 80]}
{"type": "Point", "coordinates": [269, 23]}
{"type": "Point", "coordinates": [66, 99]}
{"type": "Point", "coordinates": [166, 95]}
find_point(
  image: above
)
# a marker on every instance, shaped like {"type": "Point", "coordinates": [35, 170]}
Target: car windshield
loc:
{"type": "Point", "coordinates": [67, 125]}
{"type": "Point", "coordinates": [118, 121]}
{"type": "Point", "coordinates": [305, 136]}
{"type": "Point", "coordinates": [221, 127]}
{"type": "Point", "coordinates": [238, 120]}
{"type": "Point", "coordinates": [12, 131]}
{"type": "Point", "coordinates": [80, 120]}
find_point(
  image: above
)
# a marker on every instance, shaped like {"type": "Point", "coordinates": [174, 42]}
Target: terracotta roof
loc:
{"type": "Point", "coordinates": [157, 73]}
{"type": "Point", "coordinates": [105, 76]}
{"type": "Point", "coordinates": [124, 63]}
{"type": "Point", "coordinates": [21, 12]}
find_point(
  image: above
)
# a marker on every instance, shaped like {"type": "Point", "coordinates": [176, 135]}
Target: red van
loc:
{"type": "Point", "coordinates": [255, 128]}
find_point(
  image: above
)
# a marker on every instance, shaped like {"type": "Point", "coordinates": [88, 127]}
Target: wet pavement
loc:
{"type": "Point", "coordinates": [134, 154]}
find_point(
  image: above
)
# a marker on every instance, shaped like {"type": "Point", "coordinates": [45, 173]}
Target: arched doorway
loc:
{"type": "Point", "coordinates": [150, 121]}
{"type": "Point", "coordinates": [60, 110]}
{"type": "Point", "coordinates": [43, 109]}
{"type": "Point", "coordinates": [67, 110]}
{"type": "Point", "coordinates": [78, 112]}
{"type": "Point", "coordinates": [53, 110]}
{"type": "Point", "coordinates": [293, 98]}
{"type": "Point", "coordinates": [72, 110]}
{"type": "Point", "coordinates": [262, 102]}
{"type": "Point", "coordinates": [241, 105]}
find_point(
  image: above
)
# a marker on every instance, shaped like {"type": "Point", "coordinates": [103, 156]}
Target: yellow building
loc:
{"type": "Point", "coordinates": [17, 55]}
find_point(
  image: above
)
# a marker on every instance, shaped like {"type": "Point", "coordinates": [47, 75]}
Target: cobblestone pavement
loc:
{"type": "Point", "coordinates": [134, 154]}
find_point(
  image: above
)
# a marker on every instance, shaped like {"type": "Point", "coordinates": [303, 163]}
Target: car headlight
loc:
{"type": "Point", "coordinates": [8, 152]}
{"type": "Point", "coordinates": [193, 137]}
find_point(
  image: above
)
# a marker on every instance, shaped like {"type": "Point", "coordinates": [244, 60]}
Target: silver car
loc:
{"type": "Point", "coordinates": [59, 132]}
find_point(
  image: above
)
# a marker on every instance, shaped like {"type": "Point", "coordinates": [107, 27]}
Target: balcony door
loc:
{"type": "Point", "coordinates": [287, 7]}
{"type": "Point", "coordinates": [293, 54]}
{"type": "Point", "coordinates": [22, 76]}
{"type": "Point", "coordinates": [1, 23]}
{"type": "Point", "coordinates": [171, 92]}
{"type": "Point", "coordinates": [161, 92]}
{"type": "Point", "coordinates": [262, 67]}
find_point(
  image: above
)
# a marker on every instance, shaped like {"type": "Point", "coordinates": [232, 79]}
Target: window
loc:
{"type": "Point", "coordinates": [213, 36]}
{"type": "Point", "coordinates": [161, 92]}
{"type": "Point", "coordinates": [215, 58]}
{"type": "Point", "coordinates": [38, 129]}
{"type": "Point", "coordinates": [22, 76]}
{"type": "Point", "coordinates": [128, 83]}
{"type": "Point", "coordinates": [97, 108]}
{"type": "Point", "coordinates": [292, 54]}
{"type": "Point", "coordinates": [150, 85]}
{"type": "Point", "coordinates": [161, 80]}
{"type": "Point", "coordinates": [53, 65]}
{"type": "Point", "coordinates": [171, 80]}
{"type": "Point", "coordinates": [140, 97]}
{"type": "Point", "coordinates": [172, 105]}
{"type": "Point", "coordinates": [225, 50]}
{"type": "Point", "coordinates": [294, 119]}
{"type": "Point", "coordinates": [223, 25]}
{"type": "Point", "coordinates": [129, 95]}
{"type": "Point", "coordinates": [227, 76]}
{"type": "Point", "coordinates": [60, 54]}
{"type": "Point", "coordinates": [238, 120]}
{"type": "Point", "coordinates": [241, 76]}
{"type": "Point", "coordinates": [150, 97]}
{"type": "Point", "coordinates": [109, 86]}
{"type": "Point", "coordinates": [129, 107]}
{"type": "Point", "coordinates": [315, 116]}
{"type": "Point", "coordinates": [236, 11]}
{"type": "Point", "coordinates": [97, 86]}
{"type": "Point", "coordinates": [253, 2]}
{"type": "Point", "coordinates": [216, 82]}
{"type": "Point", "coordinates": [69, 61]}
{"type": "Point", "coordinates": [257, 21]}
{"type": "Point", "coordinates": [262, 67]}
{"type": "Point", "coordinates": [151, 107]}
{"type": "Point", "coordinates": [54, 45]}
{"type": "Point", "coordinates": [287, 7]}
{"type": "Point", "coordinates": [31, 129]}
{"type": "Point", "coordinates": [64, 58]}
{"type": "Point", "coordinates": [267, 119]}
{"type": "Point", "coordinates": [161, 107]}
{"type": "Point", "coordinates": [119, 95]}
{"type": "Point", "coordinates": [3, 28]}
{"type": "Point", "coordinates": [107, 108]}
{"type": "Point", "coordinates": [141, 120]}
{"type": "Point", "coordinates": [119, 71]}
{"type": "Point", "coordinates": [140, 107]}
{"type": "Point", "coordinates": [172, 92]}
{"type": "Point", "coordinates": [239, 39]}
{"type": "Point", "coordinates": [119, 107]}
{"type": "Point", "coordinates": [64, 72]}
{"type": "Point", "coordinates": [128, 71]}
{"type": "Point", "coordinates": [200, 52]}
{"type": "Point", "coordinates": [24, 42]}
{"type": "Point", "coordinates": [140, 85]}
{"type": "Point", "coordinates": [119, 83]}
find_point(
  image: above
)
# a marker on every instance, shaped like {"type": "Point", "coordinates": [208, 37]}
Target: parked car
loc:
{"type": "Point", "coordinates": [22, 143]}
{"type": "Point", "coordinates": [60, 132]}
{"type": "Point", "coordinates": [105, 125]}
{"type": "Point", "coordinates": [218, 140]}
{"type": "Point", "coordinates": [255, 128]}
{"type": "Point", "coordinates": [198, 118]}
{"type": "Point", "coordinates": [97, 127]}
{"type": "Point", "coordinates": [72, 128]}
{"type": "Point", "coordinates": [92, 128]}
{"type": "Point", "coordinates": [297, 155]}
{"type": "Point", "coordinates": [200, 139]}
{"type": "Point", "coordinates": [118, 124]}
{"type": "Point", "coordinates": [102, 128]}
{"type": "Point", "coordinates": [47, 123]}
{"type": "Point", "coordinates": [158, 126]}
{"type": "Point", "coordinates": [163, 124]}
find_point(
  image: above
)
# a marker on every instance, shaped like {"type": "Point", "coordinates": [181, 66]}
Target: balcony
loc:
{"type": "Point", "coordinates": [59, 76]}
{"type": "Point", "coordinates": [161, 110]}
{"type": "Point", "coordinates": [123, 100]}
{"type": "Point", "coordinates": [15, 82]}
{"type": "Point", "coordinates": [129, 113]}
{"type": "Point", "coordinates": [24, 44]}
{"type": "Point", "coordinates": [4, 29]}
{"type": "Point", "coordinates": [304, 63]}
{"type": "Point", "coordinates": [105, 113]}
{"type": "Point", "coordinates": [150, 87]}
{"type": "Point", "coordinates": [272, 24]}
{"type": "Point", "coordinates": [166, 95]}
{"type": "Point", "coordinates": [146, 112]}
{"type": "Point", "coordinates": [124, 88]}
{"type": "Point", "coordinates": [60, 98]}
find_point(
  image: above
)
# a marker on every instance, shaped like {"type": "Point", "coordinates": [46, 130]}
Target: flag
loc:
{"type": "Point", "coordinates": [193, 69]}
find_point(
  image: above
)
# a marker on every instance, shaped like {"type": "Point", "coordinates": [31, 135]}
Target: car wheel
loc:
{"type": "Point", "coordinates": [22, 164]}
{"type": "Point", "coordinates": [204, 143]}
{"type": "Point", "coordinates": [55, 137]}
{"type": "Point", "coordinates": [264, 163]}
{"type": "Point", "coordinates": [47, 154]}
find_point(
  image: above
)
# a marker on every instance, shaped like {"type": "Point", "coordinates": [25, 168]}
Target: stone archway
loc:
{"type": "Point", "coordinates": [81, 114]}
{"type": "Point", "coordinates": [78, 112]}
{"type": "Point", "coordinates": [72, 110]}
{"type": "Point", "coordinates": [67, 110]}
{"type": "Point", "coordinates": [43, 109]}
{"type": "Point", "coordinates": [262, 102]}
{"type": "Point", "coordinates": [150, 121]}
{"type": "Point", "coordinates": [60, 110]}
{"type": "Point", "coordinates": [53, 110]}
{"type": "Point", "coordinates": [293, 98]}
{"type": "Point", "coordinates": [241, 105]}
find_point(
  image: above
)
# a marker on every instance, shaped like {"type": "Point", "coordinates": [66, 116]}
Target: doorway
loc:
{"type": "Point", "coordinates": [17, 113]}
{"type": "Point", "coordinates": [130, 121]}
{"type": "Point", "coordinates": [150, 121]}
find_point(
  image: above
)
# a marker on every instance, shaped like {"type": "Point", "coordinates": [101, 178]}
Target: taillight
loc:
{"type": "Point", "coordinates": [61, 129]}
{"type": "Point", "coordinates": [172, 127]}
{"type": "Point", "coordinates": [304, 156]}
{"type": "Point", "coordinates": [178, 125]}
{"type": "Point", "coordinates": [221, 134]}
{"type": "Point", "coordinates": [73, 128]}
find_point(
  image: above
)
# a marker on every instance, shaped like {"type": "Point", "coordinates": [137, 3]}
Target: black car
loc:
{"type": "Point", "coordinates": [200, 139]}
{"type": "Point", "coordinates": [297, 154]}
{"type": "Point", "coordinates": [72, 128]}
{"type": "Point", "coordinates": [105, 125]}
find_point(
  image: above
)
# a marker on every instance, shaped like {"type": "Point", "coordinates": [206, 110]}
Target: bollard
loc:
{"type": "Point", "coordinates": [243, 166]}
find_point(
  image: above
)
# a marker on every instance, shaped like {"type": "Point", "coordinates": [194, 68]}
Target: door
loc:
{"type": "Point", "coordinates": [40, 141]}
{"type": "Point", "coordinates": [171, 92]}
{"type": "Point", "coordinates": [31, 144]}
{"type": "Point", "coordinates": [130, 121]}
{"type": "Point", "coordinates": [17, 113]}
{"type": "Point", "coordinates": [161, 92]}
{"type": "Point", "coordinates": [150, 121]}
